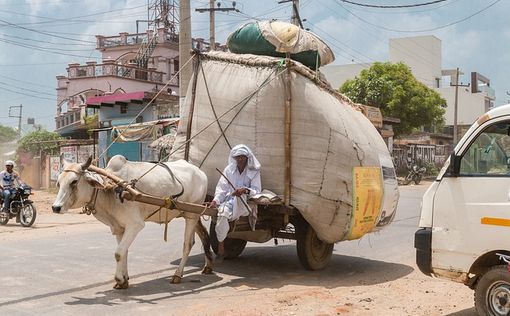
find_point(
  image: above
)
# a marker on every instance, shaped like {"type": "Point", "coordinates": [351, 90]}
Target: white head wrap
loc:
{"type": "Point", "coordinates": [243, 150]}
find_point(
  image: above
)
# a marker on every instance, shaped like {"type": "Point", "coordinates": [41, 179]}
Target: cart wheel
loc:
{"type": "Point", "coordinates": [233, 246]}
{"type": "Point", "coordinates": [313, 253]}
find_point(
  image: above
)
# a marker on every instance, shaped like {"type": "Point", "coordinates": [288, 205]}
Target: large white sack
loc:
{"type": "Point", "coordinates": [330, 137]}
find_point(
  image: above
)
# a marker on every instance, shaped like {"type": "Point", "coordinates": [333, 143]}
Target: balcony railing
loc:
{"type": "Point", "coordinates": [124, 39]}
{"type": "Point", "coordinates": [67, 119]}
{"type": "Point", "coordinates": [488, 91]}
{"type": "Point", "coordinates": [111, 69]}
{"type": "Point", "coordinates": [163, 36]}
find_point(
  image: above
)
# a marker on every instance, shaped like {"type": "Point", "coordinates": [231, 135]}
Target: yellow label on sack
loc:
{"type": "Point", "coordinates": [367, 200]}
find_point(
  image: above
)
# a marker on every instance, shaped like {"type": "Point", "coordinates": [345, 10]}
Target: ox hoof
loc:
{"type": "Point", "coordinates": [175, 279]}
{"type": "Point", "coordinates": [121, 285]}
{"type": "Point", "coordinates": [207, 270]}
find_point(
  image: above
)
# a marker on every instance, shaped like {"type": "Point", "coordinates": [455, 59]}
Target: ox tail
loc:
{"type": "Point", "coordinates": [204, 237]}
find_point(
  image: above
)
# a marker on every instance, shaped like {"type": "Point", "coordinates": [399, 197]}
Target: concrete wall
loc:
{"type": "Point", "coordinates": [338, 74]}
{"type": "Point", "coordinates": [422, 54]}
{"type": "Point", "coordinates": [470, 105]}
{"type": "Point", "coordinates": [113, 113]}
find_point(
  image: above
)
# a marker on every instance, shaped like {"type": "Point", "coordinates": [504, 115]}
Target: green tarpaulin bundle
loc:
{"type": "Point", "coordinates": [275, 38]}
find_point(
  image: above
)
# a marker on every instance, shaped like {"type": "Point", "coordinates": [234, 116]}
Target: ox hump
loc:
{"type": "Point", "coordinates": [117, 163]}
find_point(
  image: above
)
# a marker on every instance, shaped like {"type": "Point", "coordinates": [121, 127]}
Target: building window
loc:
{"type": "Point", "coordinates": [123, 108]}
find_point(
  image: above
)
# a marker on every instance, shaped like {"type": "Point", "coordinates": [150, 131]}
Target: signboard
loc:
{"type": "Point", "coordinates": [76, 153]}
{"type": "Point", "coordinates": [374, 115]}
{"type": "Point", "coordinates": [84, 152]}
{"type": "Point", "coordinates": [54, 168]}
{"type": "Point", "coordinates": [367, 200]}
{"type": "Point", "coordinates": [68, 153]}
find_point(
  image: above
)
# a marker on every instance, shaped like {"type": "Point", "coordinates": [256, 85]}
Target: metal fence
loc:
{"type": "Point", "coordinates": [422, 155]}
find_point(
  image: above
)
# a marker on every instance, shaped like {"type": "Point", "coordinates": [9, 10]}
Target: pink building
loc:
{"type": "Point", "coordinates": [130, 62]}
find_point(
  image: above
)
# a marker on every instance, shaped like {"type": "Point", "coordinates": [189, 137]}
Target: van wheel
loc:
{"type": "Point", "coordinates": [233, 246]}
{"type": "Point", "coordinates": [313, 253]}
{"type": "Point", "coordinates": [417, 179]}
{"type": "Point", "coordinates": [492, 293]}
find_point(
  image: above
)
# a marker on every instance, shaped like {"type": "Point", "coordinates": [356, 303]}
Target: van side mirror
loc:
{"type": "Point", "coordinates": [454, 168]}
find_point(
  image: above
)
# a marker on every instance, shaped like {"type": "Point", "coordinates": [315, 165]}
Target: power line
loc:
{"type": "Point", "coordinates": [419, 31]}
{"type": "Point", "coordinates": [43, 33]}
{"type": "Point", "coordinates": [342, 43]}
{"type": "Point", "coordinates": [26, 89]}
{"type": "Point", "coordinates": [34, 64]}
{"type": "Point", "coordinates": [402, 48]}
{"type": "Point", "coordinates": [383, 12]}
{"type": "Point", "coordinates": [28, 82]}
{"type": "Point", "coordinates": [45, 47]}
{"type": "Point", "coordinates": [42, 49]}
{"type": "Point", "coordinates": [393, 6]}
{"type": "Point", "coordinates": [46, 42]}
{"type": "Point", "coordinates": [27, 94]}
{"type": "Point", "coordinates": [71, 18]}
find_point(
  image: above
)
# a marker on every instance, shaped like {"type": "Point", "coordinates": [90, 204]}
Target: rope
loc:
{"type": "Point", "coordinates": [230, 123]}
{"type": "Point", "coordinates": [144, 108]}
{"type": "Point", "coordinates": [212, 107]}
{"type": "Point", "coordinates": [221, 116]}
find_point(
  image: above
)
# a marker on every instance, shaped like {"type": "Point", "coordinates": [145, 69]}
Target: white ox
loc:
{"type": "Point", "coordinates": [126, 219]}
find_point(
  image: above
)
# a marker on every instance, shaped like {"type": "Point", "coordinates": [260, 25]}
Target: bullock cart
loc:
{"type": "Point", "coordinates": [272, 222]}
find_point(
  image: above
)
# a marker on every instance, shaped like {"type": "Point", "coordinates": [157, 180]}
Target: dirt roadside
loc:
{"type": "Point", "coordinates": [366, 293]}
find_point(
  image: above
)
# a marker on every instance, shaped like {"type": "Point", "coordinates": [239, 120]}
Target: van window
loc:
{"type": "Point", "coordinates": [489, 154]}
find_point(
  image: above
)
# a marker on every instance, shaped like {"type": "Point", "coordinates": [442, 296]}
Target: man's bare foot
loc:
{"type": "Point", "coordinates": [221, 252]}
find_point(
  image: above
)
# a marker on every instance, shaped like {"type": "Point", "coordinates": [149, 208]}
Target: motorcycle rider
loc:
{"type": "Point", "coordinates": [8, 177]}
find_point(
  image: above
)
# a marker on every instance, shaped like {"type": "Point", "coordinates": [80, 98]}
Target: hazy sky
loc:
{"type": "Point", "coordinates": [39, 38]}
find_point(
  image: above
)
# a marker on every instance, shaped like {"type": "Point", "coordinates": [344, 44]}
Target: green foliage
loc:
{"type": "Point", "coordinates": [393, 89]}
{"type": "Point", "coordinates": [92, 122]}
{"type": "Point", "coordinates": [40, 141]}
{"type": "Point", "coordinates": [7, 134]}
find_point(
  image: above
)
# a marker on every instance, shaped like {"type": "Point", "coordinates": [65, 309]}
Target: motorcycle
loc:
{"type": "Point", "coordinates": [415, 174]}
{"type": "Point", "coordinates": [20, 207]}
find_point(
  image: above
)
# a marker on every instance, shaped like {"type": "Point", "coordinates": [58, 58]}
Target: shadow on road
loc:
{"type": "Point", "coordinates": [465, 312]}
{"type": "Point", "coordinates": [257, 268]}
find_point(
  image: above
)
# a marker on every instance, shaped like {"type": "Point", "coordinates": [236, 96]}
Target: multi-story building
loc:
{"type": "Point", "coordinates": [117, 73]}
{"type": "Point", "coordinates": [424, 57]}
{"type": "Point", "coordinates": [135, 71]}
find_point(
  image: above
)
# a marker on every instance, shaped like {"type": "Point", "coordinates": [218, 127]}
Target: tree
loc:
{"type": "Point", "coordinates": [7, 134]}
{"type": "Point", "coordinates": [393, 89]}
{"type": "Point", "coordinates": [40, 141]}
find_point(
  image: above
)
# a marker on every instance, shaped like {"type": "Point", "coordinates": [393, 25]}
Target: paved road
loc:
{"type": "Point", "coordinates": [66, 265]}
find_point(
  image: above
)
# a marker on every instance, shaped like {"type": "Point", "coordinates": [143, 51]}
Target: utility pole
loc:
{"type": "Point", "coordinates": [455, 108]}
{"type": "Point", "coordinates": [212, 10]}
{"type": "Point", "coordinates": [20, 107]}
{"type": "Point", "coordinates": [184, 47]}
{"type": "Point", "coordinates": [212, 30]}
{"type": "Point", "coordinates": [295, 19]}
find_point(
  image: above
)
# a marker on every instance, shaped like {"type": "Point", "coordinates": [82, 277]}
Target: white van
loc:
{"type": "Point", "coordinates": [464, 231]}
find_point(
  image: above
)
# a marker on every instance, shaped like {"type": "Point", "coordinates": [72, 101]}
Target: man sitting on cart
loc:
{"type": "Point", "coordinates": [240, 180]}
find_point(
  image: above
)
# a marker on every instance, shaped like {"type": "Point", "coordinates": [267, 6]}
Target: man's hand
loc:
{"type": "Point", "coordinates": [212, 204]}
{"type": "Point", "coordinates": [241, 191]}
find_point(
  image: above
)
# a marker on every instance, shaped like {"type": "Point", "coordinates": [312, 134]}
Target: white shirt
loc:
{"type": "Point", "coordinates": [7, 179]}
{"type": "Point", "coordinates": [249, 179]}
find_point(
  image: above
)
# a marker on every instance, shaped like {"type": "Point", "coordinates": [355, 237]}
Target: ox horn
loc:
{"type": "Point", "coordinates": [86, 164]}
